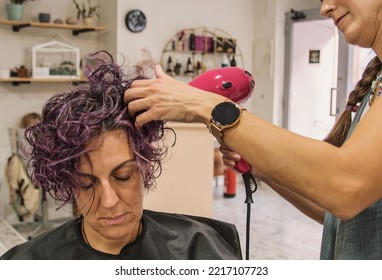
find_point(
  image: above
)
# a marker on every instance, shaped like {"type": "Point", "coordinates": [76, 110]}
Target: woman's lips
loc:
{"type": "Point", "coordinates": [115, 220]}
{"type": "Point", "coordinates": [337, 21]}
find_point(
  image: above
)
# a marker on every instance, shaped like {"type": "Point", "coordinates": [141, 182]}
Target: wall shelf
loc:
{"type": "Point", "coordinates": [76, 28]}
{"type": "Point", "coordinates": [210, 52]}
{"type": "Point", "coordinates": [17, 81]}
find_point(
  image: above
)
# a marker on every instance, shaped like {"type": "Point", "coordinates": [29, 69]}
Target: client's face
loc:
{"type": "Point", "coordinates": [111, 199]}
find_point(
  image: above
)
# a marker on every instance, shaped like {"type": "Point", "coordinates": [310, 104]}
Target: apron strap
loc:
{"type": "Point", "coordinates": [358, 115]}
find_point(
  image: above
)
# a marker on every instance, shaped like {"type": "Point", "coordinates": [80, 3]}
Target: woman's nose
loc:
{"type": "Point", "coordinates": [109, 197]}
{"type": "Point", "coordinates": [327, 8]}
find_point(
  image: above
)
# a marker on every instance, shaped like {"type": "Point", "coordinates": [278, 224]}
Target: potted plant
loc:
{"type": "Point", "coordinates": [22, 72]}
{"type": "Point", "coordinates": [86, 12]}
{"type": "Point", "coordinates": [15, 9]}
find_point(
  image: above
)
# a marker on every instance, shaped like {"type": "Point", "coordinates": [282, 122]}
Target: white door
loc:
{"type": "Point", "coordinates": [313, 78]}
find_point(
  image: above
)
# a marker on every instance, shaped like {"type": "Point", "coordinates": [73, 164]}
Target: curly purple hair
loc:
{"type": "Point", "coordinates": [72, 118]}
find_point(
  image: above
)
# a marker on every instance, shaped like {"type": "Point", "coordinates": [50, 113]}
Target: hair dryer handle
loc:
{"type": "Point", "coordinates": [242, 166]}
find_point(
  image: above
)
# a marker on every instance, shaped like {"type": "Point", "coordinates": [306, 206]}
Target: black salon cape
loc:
{"type": "Point", "coordinates": [164, 236]}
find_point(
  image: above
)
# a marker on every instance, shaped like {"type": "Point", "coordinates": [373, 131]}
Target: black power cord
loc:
{"type": "Point", "coordinates": [250, 188]}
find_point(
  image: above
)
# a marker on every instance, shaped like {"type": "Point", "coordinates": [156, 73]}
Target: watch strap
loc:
{"type": "Point", "coordinates": [216, 131]}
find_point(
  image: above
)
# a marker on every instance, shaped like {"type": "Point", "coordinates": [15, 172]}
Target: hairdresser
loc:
{"type": "Point", "coordinates": [338, 181]}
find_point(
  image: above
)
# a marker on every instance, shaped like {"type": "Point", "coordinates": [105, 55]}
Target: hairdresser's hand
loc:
{"type": "Point", "coordinates": [230, 158]}
{"type": "Point", "coordinates": [165, 98]}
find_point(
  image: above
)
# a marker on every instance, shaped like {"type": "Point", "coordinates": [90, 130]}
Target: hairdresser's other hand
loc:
{"type": "Point", "coordinates": [166, 98]}
{"type": "Point", "coordinates": [230, 158]}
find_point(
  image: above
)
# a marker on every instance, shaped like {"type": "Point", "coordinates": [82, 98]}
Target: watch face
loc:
{"type": "Point", "coordinates": [226, 113]}
{"type": "Point", "coordinates": [135, 21]}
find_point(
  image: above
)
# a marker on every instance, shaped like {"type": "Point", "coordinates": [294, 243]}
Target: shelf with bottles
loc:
{"type": "Point", "coordinates": [192, 51]}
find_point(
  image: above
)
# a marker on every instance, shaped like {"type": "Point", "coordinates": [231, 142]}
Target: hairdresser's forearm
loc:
{"type": "Point", "coordinates": [304, 205]}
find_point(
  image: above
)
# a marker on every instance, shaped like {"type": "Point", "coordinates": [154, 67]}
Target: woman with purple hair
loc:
{"type": "Point", "coordinates": [87, 151]}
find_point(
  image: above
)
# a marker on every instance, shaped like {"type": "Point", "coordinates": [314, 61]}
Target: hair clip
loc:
{"type": "Point", "coordinates": [352, 108]}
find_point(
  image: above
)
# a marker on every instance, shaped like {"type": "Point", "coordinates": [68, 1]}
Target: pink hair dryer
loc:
{"type": "Point", "coordinates": [234, 83]}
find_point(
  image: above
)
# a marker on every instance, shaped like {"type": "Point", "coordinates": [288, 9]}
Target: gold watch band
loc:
{"type": "Point", "coordinates": [216, 131]}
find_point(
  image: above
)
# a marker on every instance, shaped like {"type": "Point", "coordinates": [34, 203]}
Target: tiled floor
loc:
{"type": "Point", "coordinates": [278, 230]}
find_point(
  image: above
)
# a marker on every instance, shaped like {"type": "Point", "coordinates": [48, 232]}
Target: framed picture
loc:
{"type": "Point", "coordinates": [314, 56]}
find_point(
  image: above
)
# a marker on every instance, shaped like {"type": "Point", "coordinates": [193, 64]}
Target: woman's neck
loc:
{"type": "Point", "coordinates": [377, 46]}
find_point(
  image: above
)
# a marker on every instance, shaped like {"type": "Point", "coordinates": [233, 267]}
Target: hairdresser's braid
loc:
{"type": "Point", "coordinates": [340, 130]}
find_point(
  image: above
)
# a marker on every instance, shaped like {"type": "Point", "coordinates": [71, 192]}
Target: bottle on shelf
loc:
{"type": "Point", "coordinates": [181, 41]}
{"type": "Point", "coordinates": [177, 67]}
{"type": "Point", "coordinates": [169, 69]}
{"type": "Point", "coordinates": [233, 61]}
{"type": "Point", "coordinates": [198, 68]}
{"type": "Point", "coordinates": [189, 67]}
{"type": "Point", "coordinates": [219, 44]}
{"type": "Point", "coordinates": [191, 42]}
{"type": "Point", "coordinates": [225, 62]}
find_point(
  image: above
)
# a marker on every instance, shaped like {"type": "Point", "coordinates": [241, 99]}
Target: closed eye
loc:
{"type": "Point", "coordinates": [125, 172]}
{"type": "Point", "coordinates": [89, 183]}
{"type": "Point", "coordinates": [122, 179]}
{"type": "Point", "coordinates": [122, 174]}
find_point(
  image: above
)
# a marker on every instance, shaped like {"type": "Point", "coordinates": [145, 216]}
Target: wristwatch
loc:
{"type": "Point", "coordinates": [224, 115]}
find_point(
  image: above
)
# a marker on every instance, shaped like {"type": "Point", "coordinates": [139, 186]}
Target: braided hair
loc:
{"type": "Point", "coordinates": [337, 135]}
